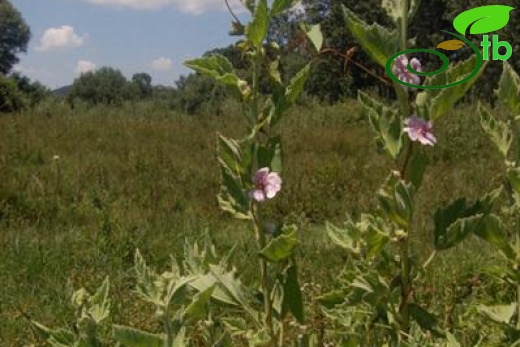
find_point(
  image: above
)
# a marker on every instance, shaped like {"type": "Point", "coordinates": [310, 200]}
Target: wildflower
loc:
{"type": "Point", "coordinates": [267, 184]}
{"type": "Point", "coordinates": [400, 69]}
{"type": "Point", "coordinates": [420, 130]}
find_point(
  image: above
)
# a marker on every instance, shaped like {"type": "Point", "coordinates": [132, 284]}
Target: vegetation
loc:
{"type": "Point", "coordinates": [95, 188]}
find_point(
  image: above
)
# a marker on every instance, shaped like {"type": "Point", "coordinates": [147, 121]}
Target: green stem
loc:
{"type": "Point", "coordinates": [266, 292]}
{"type": "Point", "coordinates": [168, 328]}
{"type": "Point", "coordinates": [404, 25]}
{"type": "Point", "coordinates": [406, 287]}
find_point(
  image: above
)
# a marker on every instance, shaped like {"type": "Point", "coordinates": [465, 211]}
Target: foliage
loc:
{"type": "Point", "coordinates": [14, 36]}
{"type": "Point", "coordinates": [103, 86]}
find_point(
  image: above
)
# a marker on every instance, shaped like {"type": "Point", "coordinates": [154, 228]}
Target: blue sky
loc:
{"type": "Point", "coordinates": [152, 36]}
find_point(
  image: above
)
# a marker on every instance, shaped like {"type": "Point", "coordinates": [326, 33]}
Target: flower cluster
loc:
{"type": "Point", "coordinates": [267, 184]}
{"type": "Point", "coordinates": [400, 70]}
{"type": "Point", "coordinates": [419, 130]}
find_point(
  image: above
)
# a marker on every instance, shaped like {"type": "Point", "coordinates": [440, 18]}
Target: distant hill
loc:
{"type": "Point", "coordinates": [63, 91]}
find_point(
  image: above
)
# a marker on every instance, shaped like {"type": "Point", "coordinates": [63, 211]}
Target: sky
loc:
{"type": "Point", "coordinates": [70, 37]}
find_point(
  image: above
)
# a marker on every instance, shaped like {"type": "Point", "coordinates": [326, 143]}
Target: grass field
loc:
{"type": "Point", "coordinates": [80, 190]}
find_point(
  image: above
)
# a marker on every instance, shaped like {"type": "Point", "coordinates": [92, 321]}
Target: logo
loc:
{"type": "Point", "coordinates": [477, 21]}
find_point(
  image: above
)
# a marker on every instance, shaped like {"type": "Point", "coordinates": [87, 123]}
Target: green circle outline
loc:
{"type": "Point", "coordinates": [444, 66]}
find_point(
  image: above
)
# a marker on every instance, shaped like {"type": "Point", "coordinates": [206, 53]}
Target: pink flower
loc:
{"type": "Point", "coordinates": [267, 184]}
{"type": "Point", "coordinates": [400, 69]}
{"type": "Point", "coordinates": [420, 130]}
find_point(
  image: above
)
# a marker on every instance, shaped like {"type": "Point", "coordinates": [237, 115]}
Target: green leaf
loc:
{"type": "Point", "coordinates": [395, 8]}
{"type": "Point", "coordinates": [385, 122]}
{"type": "Point", "coordinates": [440, 101]}
{"type": "Point", "coordinates": [199, 307]}
{"type": "Point", "coordinates": [284, 100]}
{"type": "Point", "coordinates": [493, 232]}
{"type": "Point", "coordinates": [281, 247]}
{"type": "Point", "coordinates": [425, 319]}
{"type": "Point", "coordinates": [508, 91]}
{"type": "Point", "coordinates": [483, 19]}
{"type": "Point", "coordinates": [417, 167]}
{"type": "Point", "coordinates": [497, 130]}
{"type": "Point", "coordinates": [280, 6]}
{"type": "Point", "coordinates": [314, 34]}
{"type": "Point", "coordinates": [451, 341]}
{"type": "Point", "coordinates": [235, 325]}
{"type": "Point", "coordinates": [376, 40]}
{"type": "Point", "coordinates": [130, 337]}
{"type": "Point", "coordinates": [499, 313]}
{"type": "Point", "coordinates": [457, 220]}
{"type": "Point", "coordinates": [293, 299]}
{"type": "Point", "coordinates": [348, 237]}
{"type": "Point", "coordinates": [270, 155]}
{"type": "Point", "coordinates": [260, 338]}
{"type": "Point", "coordinates": [513, 176]}
{"type": "Point", "coordinates": [396, 200]}
{"type": "Point", "coordinates": [100, 303]}
{"type": "Point", "coordinates": [219, 68]}
{"type": "Point", "coordinates": [235, 159]}
{"type": "Point", "coordinates": [256, 30]}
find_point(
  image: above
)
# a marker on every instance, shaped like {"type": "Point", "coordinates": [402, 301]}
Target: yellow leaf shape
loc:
{"type": "Point", "coordinates": [451, 45]}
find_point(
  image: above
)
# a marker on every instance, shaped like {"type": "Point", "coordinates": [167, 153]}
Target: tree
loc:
{"type": "Point", "coordinates": [103, 86]}
{"type": "Point", "coordinates": [14, 36]}
{"type": "Point", "coordinates": [143, 82]}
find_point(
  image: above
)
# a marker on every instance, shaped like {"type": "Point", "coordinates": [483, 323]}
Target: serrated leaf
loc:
{"type": "Point", "coordinates": [283, 100]}
{"type": "Point", "coordinates": [457, 220]}
{"type": "Point", "coordinates": [100, 303]}
{"type": "Point", "coordinates": [130, 337]}
{"type": "Point", "coordinates": [256, 30]}
{"type": "Point", "coordinates": [385, 122]}
{"type": "Point", "coordinates": [314, 34]}
{"type": "Point", "coordinates": [498, 131]}
{"type": "Point", "coordinates": [442, 100]}
{"type": "Point", "coordinates": [499, 313]}
{"type": "Point", "coordinates": [395, 8]}
{"type": "Point", "coordinates": [347, 237]}
{"type": "Point", "coordinates": [376, 40]}
{"type": "Point", "coordinates": [508, 91]}
{"type": "Point", "coordinates": [220, 69]}
{"type": "Point", "coordinates": [451, 45]}
{"type": "Point", "coordinates": [281, 247]}
{"type": "Point", "coordinates": [199, 307]}
{"type": "Point", "coordinates": [483, 19]}
{"type": "Point", "coordinates": [396, 200]}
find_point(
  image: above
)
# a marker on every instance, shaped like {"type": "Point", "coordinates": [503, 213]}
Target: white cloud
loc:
{"type": "Point", "coordinates": [187, 6]}
{"type": "Point", "coordinates": [161, 64]}
{"type": "Point", "coordinates": [83, 66]}
{"type": "Point", "coordinates": [60, 37]}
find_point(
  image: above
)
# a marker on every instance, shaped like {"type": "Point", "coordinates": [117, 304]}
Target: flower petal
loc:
{"type": "Point", "coordinates": [416, 64]}
{"type": "Point", "coordinates": [257, 194]}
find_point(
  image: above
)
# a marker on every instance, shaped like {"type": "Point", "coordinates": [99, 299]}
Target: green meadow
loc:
{"type": "Point", "coordinates": [82, 189]}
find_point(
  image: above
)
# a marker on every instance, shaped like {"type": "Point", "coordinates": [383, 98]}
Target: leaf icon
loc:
{"type": "Point", "coordinates": [482, 20]}
{"type": "Point", "coordinates": [451, 45]}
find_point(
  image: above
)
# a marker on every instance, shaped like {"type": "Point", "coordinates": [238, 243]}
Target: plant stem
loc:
{"type": "Point", "coordinates": [266, 292]}
{"type": "Point", "coordinates": [404, 25]}
{"type": "Point", "coordinates": [168, 328]}
{"type": "Point", "coordinates": [406, 287]}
